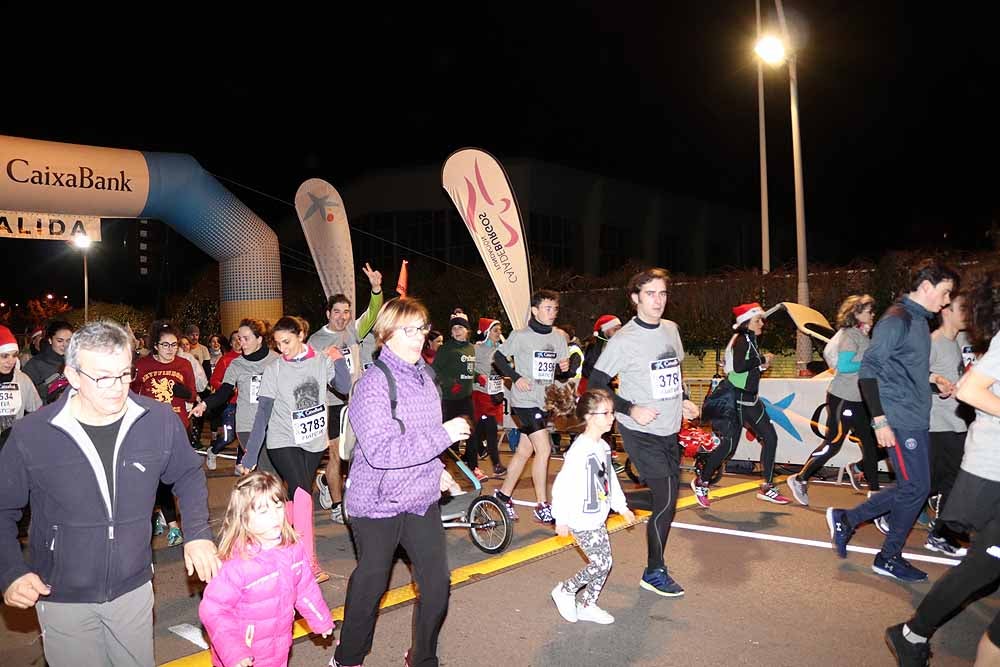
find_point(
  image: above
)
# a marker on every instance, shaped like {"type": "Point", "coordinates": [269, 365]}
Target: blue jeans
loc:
{"type": "Point", "coordinates": [911, 460]}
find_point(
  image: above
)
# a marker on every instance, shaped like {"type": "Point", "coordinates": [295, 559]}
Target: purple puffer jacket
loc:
{"type": "Point", "coordinates": [394, 471]}
{"type": "Point", "coordinates": [248, 609]}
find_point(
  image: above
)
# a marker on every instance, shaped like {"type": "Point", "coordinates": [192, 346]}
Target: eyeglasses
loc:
{"type": "Point", "coordinates": [108, 381]}
{"type": "Point", "coordinates": [168, 346]}
{"type": "Point", "coordinates": [412, 331]}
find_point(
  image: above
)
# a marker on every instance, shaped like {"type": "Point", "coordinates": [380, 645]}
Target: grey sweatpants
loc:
{"type": "Point", "coordinates": [597, 547]}
{"type": "Point", "coordinates": [118, 633]}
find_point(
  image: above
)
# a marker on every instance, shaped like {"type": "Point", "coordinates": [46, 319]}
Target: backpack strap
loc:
{"type": "Point", "coordinates": [391, 380]}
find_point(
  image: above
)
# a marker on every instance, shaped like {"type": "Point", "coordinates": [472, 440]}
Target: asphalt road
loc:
{"type": "Point", "coordinates": [748, 601]}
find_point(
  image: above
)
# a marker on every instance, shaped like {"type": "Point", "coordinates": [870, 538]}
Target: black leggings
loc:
{"type": "Point", "coordinates": [461, 407]}
{"type": "Point", "coordinates": [664, 492]}
{"type": "Point", "coordinates": [753, 417]}
{"type": "Point", "coordinates": [977, 576]}
{"type": "Point", "coordinates": [845, 417]}
{"type": "Point", "coordinates": [377, 540]}
{"type": "Point", "coordinates": [486, 429]}
{"type": "Point", "coordinates": [296, 466]}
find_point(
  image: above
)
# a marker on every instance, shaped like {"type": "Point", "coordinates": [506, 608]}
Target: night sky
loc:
{"type": "Point", "coordinates": [896, 103]}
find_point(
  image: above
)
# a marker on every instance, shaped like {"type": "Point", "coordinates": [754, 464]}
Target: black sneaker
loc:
{"type": "Point", "coordinates": [898, 567]}
{"type": "Point", "coordinates": [499, 470]}
{"type": "Point", "coordinates": [840, 530]}
{"type": "Point", "coordinates": [907, 654]}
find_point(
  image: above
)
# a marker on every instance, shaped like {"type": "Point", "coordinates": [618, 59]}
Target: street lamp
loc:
{"type": "Point", "coordinates": [82, 241]}
{"type": "Point", "coordinates": [769, 51]}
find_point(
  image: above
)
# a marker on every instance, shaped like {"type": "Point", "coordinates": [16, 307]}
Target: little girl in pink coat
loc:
{"type": "Point", "coordinates": [248, 609]}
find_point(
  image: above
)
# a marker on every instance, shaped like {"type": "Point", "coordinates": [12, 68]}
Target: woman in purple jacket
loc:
{"type": "Point", "coordinates": [393, 488]}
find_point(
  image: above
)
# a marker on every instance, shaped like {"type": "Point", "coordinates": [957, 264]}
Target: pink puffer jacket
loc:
{"type": "Point", "coordinates": [249, 607]}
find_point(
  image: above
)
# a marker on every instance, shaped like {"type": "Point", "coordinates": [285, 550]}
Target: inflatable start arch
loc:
{"type": "Point", "coordinates": [45, 176]}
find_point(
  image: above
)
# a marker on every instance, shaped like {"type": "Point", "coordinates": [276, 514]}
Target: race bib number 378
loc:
{"type": "Point", "coordinates": [309, 424]}
{"type": "Point", "coordinates": [665, 379]}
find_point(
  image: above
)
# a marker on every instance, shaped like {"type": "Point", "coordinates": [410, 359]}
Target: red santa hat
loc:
{"type": "Point", "coordinates": [746, 312]}
{"type": "Point", "coordinates": [7, 341]}
{"type": "Point", "coordinates": [605, 322]}
{"type": "Point", "coordinates": [485, 324]}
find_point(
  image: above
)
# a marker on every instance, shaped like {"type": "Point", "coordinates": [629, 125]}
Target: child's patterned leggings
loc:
{"type": "Point", "coordinates": [596, 546]}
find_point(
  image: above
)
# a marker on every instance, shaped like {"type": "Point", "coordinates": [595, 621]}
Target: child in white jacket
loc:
{"type": "Point", "coordinates": [583, 493]}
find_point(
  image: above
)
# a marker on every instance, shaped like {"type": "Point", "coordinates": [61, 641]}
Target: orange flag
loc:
{"type": "Point", "coordinates": [402, 285]}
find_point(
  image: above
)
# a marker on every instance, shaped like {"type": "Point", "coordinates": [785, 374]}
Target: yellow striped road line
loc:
{"type": "Point", "coordinates": [490, 566]}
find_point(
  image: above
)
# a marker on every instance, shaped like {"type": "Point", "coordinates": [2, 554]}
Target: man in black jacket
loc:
{"type": "Point", "coordinates": [92, 462]}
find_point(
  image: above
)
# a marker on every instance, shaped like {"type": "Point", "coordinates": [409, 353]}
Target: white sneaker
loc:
{"type": "Point", "coordinates": [565, 603]}
{"type": "Point", "coordinates": [210, 460]}
{"type": "Point", "coordinates": [337, 514]}
{"type": "Point", "coordinates": [325, 500]}
{"type": "Point", "coordinates": [594, 614]}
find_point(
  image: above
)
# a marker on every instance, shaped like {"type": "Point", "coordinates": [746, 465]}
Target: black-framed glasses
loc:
{"type": "Point", "coordinates": [411, 331]}
{"type": "Point", "coordinates": [108, 381]}
{"type": "Point", "coordinates": [168, 346]}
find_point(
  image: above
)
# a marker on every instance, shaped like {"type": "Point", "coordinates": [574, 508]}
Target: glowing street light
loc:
{"type": "Point", "coordinates": [771, 50]}
{"type": "Point", "coordinates": [49, 297]}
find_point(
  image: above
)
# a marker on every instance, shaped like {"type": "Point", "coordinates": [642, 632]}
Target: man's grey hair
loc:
{"type": "Point", "coordinates": [100, 336]}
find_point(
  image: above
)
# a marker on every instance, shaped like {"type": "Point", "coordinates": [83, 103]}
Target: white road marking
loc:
{"type": "Point", "coordinates": [808, 543]}
{"type": "Point", "coordinates": [190, 633]}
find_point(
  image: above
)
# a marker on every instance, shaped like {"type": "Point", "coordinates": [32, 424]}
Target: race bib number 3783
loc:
{"type": "Point", "coordinates": [665, 379]}
{"type": "Point", "coordinates": [309, 424]}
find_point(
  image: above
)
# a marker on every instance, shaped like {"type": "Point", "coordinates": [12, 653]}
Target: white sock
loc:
{"type": "Point", "coordinates": [913, 637]}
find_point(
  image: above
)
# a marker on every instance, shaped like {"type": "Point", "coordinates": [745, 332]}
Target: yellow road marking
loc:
{"type": "Point", "coordinates": [545, 547]}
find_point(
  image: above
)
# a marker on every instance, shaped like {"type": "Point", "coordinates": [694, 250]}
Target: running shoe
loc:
{"type": "Point", "coordinates": [769, 493]}
{"type": "Point", "coordinates": [511, 512]}
{"type": "Point", "coordinates": [499, 470]}
{"type": "Point", "coordinates": [907, 653]}
{"type": "Point", "coordinates": [565, 602]}
{"type": "Point", "coordinates": [617, 466]}
{"type": "Point", "coordinates": [159, 523]}
{"type": "Point", "coordinates": [174, 537]}
{"type": "Point", "coordinates": [661, 583]}
{"type": "Point", "coordinates": [239, 470]}
{"type": "Point", "coordinates": [700, 493]}
{"type": "Point", "coordinates": [337, 514]}
{"type": "Point", "coordinates": [210, 460]}
{"type": "Point", "coordinates": [840, 530]}
{"type": "Point", "coordinates": [882, 523]}
{"type": "Point", "coordinates": [944, 546]}
{"type": "Point", "coordinates": [799, 489]}
{"type": "Point", "coordinates": [853, 473]}
{"type": "Point", "coordinates": [897, 567]}
{"type": "Point", "coordinates": [325, 499]}
{"type": "Point", "coordinates": [480, 475]}
{"type": "Point", "coordinates": [543, 513]}
{"type": "Point", "coordinates": [594, 614]}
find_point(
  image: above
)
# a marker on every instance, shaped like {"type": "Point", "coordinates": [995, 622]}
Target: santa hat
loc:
{"type": "Point", "coordinates": [605, 322]}
{"type": "Point", "coordinates": [485, 324]}
{"type": "Point", "coordinates": [746, 312]}
{"type": "Point", "coordinates": [7, 341]}
{"type": "Point", "coordinates": [37, 333]}
{"type": "Point", "coordinates": [459, 320]}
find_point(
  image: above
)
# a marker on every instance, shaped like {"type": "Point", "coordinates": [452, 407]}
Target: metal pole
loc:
{"type": "Point", "coordinates": [86, 290]}
{"type": "Point", "coordinates": [765, 226]}
{"type": "Point", "coordinates": [803, 345]}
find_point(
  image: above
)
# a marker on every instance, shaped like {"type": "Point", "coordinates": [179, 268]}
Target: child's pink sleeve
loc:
{"type": "Point", "coordinates": [219, 616]}
{"type": "Point", "coordinates": [308, 598]}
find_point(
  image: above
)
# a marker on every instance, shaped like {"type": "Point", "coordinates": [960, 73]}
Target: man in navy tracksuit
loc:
{"type": "Point", "coordinates": [895, 383]}
{"type": "Point", "coordinates": [89, 465]}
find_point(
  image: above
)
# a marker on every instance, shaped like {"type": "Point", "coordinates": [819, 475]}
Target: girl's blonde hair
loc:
{"type": "Point", "coordinates": [394, 312]}
{"type": "Point", "coordinates": [236, 539]}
